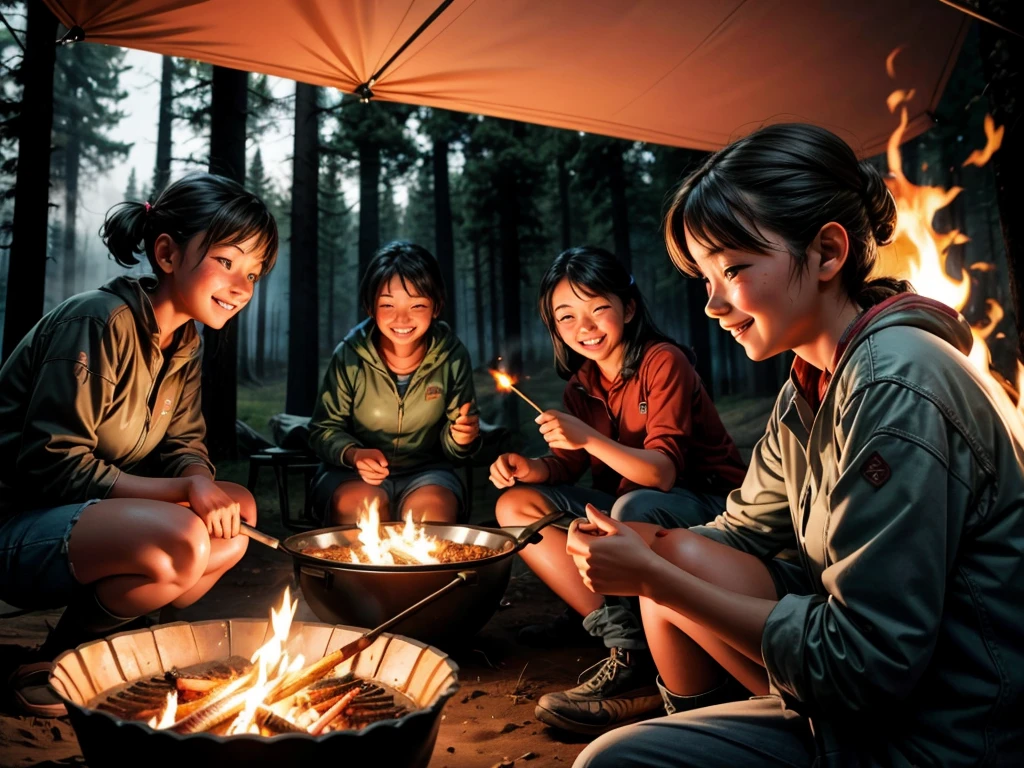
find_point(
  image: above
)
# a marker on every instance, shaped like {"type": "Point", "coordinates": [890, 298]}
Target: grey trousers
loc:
{"type": "Point", "coordinates": [756, 732]}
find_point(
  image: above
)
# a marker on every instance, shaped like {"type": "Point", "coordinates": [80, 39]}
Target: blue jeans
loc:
{"type": "Point", "coordinates": [35, 572]}
{"type": "Point", "coordinates": [397, 485]}
{"type": "Point", "coordinates": [616, 622]}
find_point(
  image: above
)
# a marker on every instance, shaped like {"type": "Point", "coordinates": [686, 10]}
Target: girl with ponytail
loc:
{"type": "Point", "coordinates": [107, 499]}
{"type": "Point", "coordinates": [864, 582]}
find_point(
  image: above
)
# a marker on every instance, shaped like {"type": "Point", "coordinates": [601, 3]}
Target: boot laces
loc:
{"type": "Point", "coordinates": [606, 671]}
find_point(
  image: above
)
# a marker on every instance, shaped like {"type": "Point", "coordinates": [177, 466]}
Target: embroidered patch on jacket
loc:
{"type": "Point", "coordinates": [82, 371]}
{"type": "Point", "coordinates": [875, 470]}
{"type": "Point", "coordinates": [433, 392]}
{"type": "Point", "coordinates": [643, 407]}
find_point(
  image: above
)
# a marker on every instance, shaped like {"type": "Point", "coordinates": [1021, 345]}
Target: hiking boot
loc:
{"type": "Point", "coordinates": [565, 630]}
{"type": "Point", "coordinates": [619, 690]}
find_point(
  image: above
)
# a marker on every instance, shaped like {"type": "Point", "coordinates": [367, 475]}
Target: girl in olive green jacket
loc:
{"type": "Point", "coordinates": [107, 499]}
{"type": "Point", "coordinates": [397, 405]}
{"type": "Point", "coordinates": [868, 573]}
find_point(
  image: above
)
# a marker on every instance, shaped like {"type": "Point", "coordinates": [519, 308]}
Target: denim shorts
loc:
{"type": "Point", "coordinates": [35, 572]}
{"type": "Point", "coordinates": [397, 485]}
{"type": "Point", "coordinates": [677, 508]}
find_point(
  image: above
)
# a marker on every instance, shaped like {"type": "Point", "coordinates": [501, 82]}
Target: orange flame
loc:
{"type": "Point", "coordinates": [166, 718]}
{"type": "Point", "coordinates": [993, 141]}
{"type": "Point", "coordinates": [503, 381]}
{"type": "Point", "coordinates": [919, 254]}
{"type": "Point", "coordinates": [381, 543]}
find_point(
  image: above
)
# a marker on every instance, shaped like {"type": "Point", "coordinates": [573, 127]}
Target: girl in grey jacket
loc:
{"type": "Point", "coordinates": [865, 581]}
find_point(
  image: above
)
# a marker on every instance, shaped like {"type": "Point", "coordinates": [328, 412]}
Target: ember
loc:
{"type": "Point", "coordinates": [447, 552]}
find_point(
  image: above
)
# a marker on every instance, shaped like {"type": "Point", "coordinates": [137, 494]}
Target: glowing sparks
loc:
{"type": "Point", "coordinates": [993, 141]}
{"type": "Point", "coordinates": [506, 383]}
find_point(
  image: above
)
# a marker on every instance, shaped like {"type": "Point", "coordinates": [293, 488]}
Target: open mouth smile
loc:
{"type": "Point", "coordinates": [590, 343]}
{"type": "Point", "coordinates": [225, 305]}
{"type": "Point", "coordinates": [739, 330]}
{"type": "Point", "coordinates": [402, 331]}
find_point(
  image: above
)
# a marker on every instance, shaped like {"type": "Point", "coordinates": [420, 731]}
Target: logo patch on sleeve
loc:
{"type": "Point", "coordinates": [433, 392]}
{"type": "Point", "coordinates": [875, 470]}
{"type": "Point", "coordinates": [643, 407]}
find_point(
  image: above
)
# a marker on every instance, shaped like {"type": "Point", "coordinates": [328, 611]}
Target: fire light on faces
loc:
{"type": "Point", "coordinates": [918, 253]}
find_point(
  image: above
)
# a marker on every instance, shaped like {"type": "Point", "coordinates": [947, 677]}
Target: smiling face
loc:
{"type": "Point", "coordinates": [212, 288]}
{"type": "Point", "coordinates": [591, 326]}
{"type": "Point", "coordinates": [757, 299]}
{"type": "Point", "coordinates": [403, 318]}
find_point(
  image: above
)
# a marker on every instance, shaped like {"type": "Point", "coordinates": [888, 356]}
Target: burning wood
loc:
{"type": "Point", "coordinates": [267, 695]}
{"type": "Point", "coordinates": [408, 544]}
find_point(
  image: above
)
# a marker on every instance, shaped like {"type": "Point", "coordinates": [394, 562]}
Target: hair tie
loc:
{"type": "Point", "coordinates": [148, 207]}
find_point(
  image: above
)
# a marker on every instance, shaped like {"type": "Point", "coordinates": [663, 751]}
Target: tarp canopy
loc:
{"type": "Point", "coordinates": [690, 73]}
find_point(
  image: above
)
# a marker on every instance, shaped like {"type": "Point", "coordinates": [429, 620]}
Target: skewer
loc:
{"type": "Point", "coordinates": [528, 400]}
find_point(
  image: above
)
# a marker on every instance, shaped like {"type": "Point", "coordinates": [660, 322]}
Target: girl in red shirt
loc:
{"type": "Point", "coordinates": [639, 418]}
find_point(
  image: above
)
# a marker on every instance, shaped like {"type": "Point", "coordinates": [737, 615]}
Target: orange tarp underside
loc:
{"type": "Point", "coordinates": [691, 73]}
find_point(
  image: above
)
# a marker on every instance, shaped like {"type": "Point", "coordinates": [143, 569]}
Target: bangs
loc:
{"type": "Point", "coordinates": [421, 283]}
{"type": "Point", "coordinates": [242, 219]}
{"type": "Point", "coordinates": [716, 215]}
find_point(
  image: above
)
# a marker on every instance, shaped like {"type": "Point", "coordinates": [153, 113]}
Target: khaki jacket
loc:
{"type": "Point", "coordinates": [82, 399]}
{"type": "Point", "coordinates": [902, 499]}
{"type": "Point", "coordinates": [359, 403]}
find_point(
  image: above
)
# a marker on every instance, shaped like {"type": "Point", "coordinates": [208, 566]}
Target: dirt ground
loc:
{"type": "Point", "coordinates": [489, 722]}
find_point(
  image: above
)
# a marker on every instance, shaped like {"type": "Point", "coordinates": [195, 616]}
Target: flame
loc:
{"type": "Point", "coordinates": [919, 253]}
{"type": "Point", "coordinates": [166, 718]}
{"type": "Point", "coordinates": [993, 140]}
{"type": "Point", "coordinates": [503, 381]}
{"type": "Point", "coordinates": [379, 542]}
{"type": "Point", "coordinates": [273, 662]}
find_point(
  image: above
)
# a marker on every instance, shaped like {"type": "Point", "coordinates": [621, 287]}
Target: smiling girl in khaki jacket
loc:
{"type": "Point", "coordinates": [107, 499]}
{"type": "Point", "coordinates": [869, 572]}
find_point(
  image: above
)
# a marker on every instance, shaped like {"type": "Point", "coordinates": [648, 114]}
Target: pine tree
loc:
{"type": "Point", "coordinates": [131, 192]}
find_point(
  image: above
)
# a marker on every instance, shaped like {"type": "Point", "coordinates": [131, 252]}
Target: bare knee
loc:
{"type": "Point", "coordinates": [350, 499]}
{"type": "Point", "coordinates": [180, 553]}
{"type": "Point", "coordinates": [520, 505]}
{"type": "Point", "coordinates": [431, 503]}
{"type": "Point", "coordinates": [686, 550]}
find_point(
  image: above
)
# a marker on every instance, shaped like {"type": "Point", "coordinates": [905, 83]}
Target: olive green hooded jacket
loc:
{"type": "Point", "coordinates": [359, 405]}
{"type": "Point", "coordinates": [82, 399]}
{"type": "Point", "coordinates": [902, 499]}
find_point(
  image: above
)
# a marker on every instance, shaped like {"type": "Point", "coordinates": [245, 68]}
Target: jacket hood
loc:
{"type": "Point", "coordinates": [135, 293]}
{"type": "Point", "coordinates": [441, 342]}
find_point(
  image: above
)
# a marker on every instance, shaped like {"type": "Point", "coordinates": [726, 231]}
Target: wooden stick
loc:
{"type": "Point", "coordinates": [528, 400]}
{"type": "Point", "coordinates": [339, 706]}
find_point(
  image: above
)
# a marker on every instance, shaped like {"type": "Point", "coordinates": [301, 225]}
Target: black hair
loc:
{"type": "Point", "coordinates": [790, 179]}
{"type": "Point", "coordinates": [412, 264]}
{"type": "Point", "coordinates": [593, 271]}
{"type": "Point", "coordinates": [199, 202]}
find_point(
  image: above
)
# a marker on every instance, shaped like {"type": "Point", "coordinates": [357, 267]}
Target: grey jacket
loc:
{"type": "Point", "coordinates": [903, 500]}
{"type": "Point", "coordinates": [82, 398]}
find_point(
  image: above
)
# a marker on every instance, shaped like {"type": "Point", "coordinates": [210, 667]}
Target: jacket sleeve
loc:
{"type": "Point", "coordinates": [460, 391]}
{"type": "Point", "coordinates": [331, 424]}
{"type": "Point", "coordinates": [669, 385]}
{"type": "Point", "coordinates": [73, 387]}
{"type": "Point", "coordinates": [896, 513]}
{"type": "Point", "coordinates": [185, 441]}
{"type": "Point", "coordinates": [757, 518]}
{"type": "Point", "coordinates": [567, 467]}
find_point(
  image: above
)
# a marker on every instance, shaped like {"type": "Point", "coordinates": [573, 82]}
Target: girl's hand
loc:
{"type": "Point", "coordinates": [214, 506]}
{"type": "Point", "coordinates": [561, 430]}
{"type": "Point", "coordinates": [371, 465]}
{"type": "Point", "coordinates": [465, 428]}
{"type": "Point", "coordinates": [508, 468]}
{"type": "Point", "coordinates": [612, 558]}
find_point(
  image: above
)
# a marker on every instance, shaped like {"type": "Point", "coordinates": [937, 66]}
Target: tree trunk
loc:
{"type": "Point", "coordinates": [700, 332]}
{"type": "Point", "coordinates": [492, 271]}
{"type": "Point", "coordinates": [369, 203]}
{"type": "Point", "coordinates": [444, 238]}
{"type": "Point", "coordinates": [331, 294]}
{"type": "Point", "coordinates": [26, 275]}
{"type": "Point", "coordinates": [303, 312]}
{"type": "Point", "coordinates": [162, 173]}
{"type": "Point", "coordinates": [72, 158]}
{"type": "Point", "coordinates": [1004, 69]}
{"type": "Point", "coordinates": [261, 327]}
{"type": "Point", "coordinates": [228, 104]}
{"type": "Point", "coordinates": [563, 201]}
{"type": "Point", "coordinates": [620, 209]}
{"type": "Point", "coordinates": [478, 303]}
{"type": "Point", "coordinates": [508, 231]}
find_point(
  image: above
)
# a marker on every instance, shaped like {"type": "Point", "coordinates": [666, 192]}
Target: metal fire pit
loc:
{"type": "Point", "coordinates": [82, 676]}
{"type": "Point", "coordinates": [368, 595]}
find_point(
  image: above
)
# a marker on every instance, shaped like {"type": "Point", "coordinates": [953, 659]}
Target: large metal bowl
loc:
{"type": "Point", "coordinates": [82, 675]}
{"type": "Point", "coordinates": [368, 595]}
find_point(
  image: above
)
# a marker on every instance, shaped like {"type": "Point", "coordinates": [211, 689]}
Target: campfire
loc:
{"type": "Point", "coordinates": [238, 685]}
{"type": "Point", "coordinates": [919, 253]}
{"type": "Point", "coordinates": [397, 544]}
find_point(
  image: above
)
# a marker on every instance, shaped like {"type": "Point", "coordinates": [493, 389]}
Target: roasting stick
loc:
{"type": "Point", "coordinates": [262, 538]}
{"type": "Point", "coordinates": [319, 669]}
